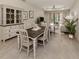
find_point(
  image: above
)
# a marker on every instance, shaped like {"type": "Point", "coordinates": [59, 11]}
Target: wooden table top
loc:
{"type": "Point", "coordinates": [33, 33]}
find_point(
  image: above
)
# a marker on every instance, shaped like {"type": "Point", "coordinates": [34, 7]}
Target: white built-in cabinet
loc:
{"type": "Point", "coordinates": [7, 32]}
{"type": "Point", "coordinates": [10, 19]}
{"type": "Point", "coordinates": [10, 15]}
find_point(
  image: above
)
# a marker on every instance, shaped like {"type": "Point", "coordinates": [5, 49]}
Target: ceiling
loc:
{"type": "Point", "coordinates": [47, 4]}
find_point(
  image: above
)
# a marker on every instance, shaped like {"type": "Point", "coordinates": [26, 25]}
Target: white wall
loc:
{"type": "Point", "coordinates": [76, 9]}
{"type": "Point", "coordinates": [26, 6]}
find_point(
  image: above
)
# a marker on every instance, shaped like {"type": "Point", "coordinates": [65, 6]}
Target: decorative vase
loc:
{"type": "Point", "coordinates": [70, 36]}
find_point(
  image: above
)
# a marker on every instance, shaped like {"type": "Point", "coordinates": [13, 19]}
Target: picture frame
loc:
{"type": "Point", "coordinates": [31, 14]}
{"type": "Point", "coordinates": [25, 15]}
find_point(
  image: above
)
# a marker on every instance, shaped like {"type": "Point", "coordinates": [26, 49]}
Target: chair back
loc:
{"type": "Point", "coordinates": [46, 32]}
{"type": "Point", "coordinates": [23, 36]}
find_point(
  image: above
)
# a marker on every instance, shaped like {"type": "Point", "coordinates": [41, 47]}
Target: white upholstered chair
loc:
{"type": "Point", "coordinates": [42, 39]}
{"type": "Point", "coordinates": [24, 40]}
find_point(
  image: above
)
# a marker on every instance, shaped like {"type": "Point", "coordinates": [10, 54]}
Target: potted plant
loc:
{"type": "Point", "coordinates": [70, 26]}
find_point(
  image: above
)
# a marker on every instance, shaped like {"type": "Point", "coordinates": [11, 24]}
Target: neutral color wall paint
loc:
{"type": "Point", "coordinates": [76, 9]}
{"type": "Point", "coordinates": [26, 6]}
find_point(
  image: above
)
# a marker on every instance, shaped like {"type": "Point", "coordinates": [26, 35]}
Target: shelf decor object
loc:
{"type": "Point", "coordinates": [31, 14]}
{"type": "Point", "coordinates": [25, 15]}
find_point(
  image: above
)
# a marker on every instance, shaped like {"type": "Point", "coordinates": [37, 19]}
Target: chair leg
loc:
{"type": "Point", "coordinates": [27, 51]}
{"type": "Point", "coordinates": [47, 39]}
{"type": "Point", "coordinates": [20, 48]}
{"type": "Point", "coordinates": [49, 34]}
{"type": "Point", "coordinates": [44, 43]}
{"type": "Point", "coordinates": [4, 42]}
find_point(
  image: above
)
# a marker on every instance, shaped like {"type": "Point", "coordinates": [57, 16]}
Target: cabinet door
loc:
{"type": "Point", "coordinates": [9, 16]}
{"type": "Point", "coordinates": [6, 29]}
{"type": "Point", "coordinates": [12, 16]}
{"type": "Point", "coordinates": [0, 16]}
{"type": "Point", "coordinates": [6, 32]}
{"type": "Point", "coordinates": [21, 26]}
{"type": "Point", "coordinates": [18, 16]}
{"type": "Point", "coordinates": [12, 31]}
{"type": "Point", "coordinates": [17, 27]}
{"type": "Point", "coordinates": [1, 33]}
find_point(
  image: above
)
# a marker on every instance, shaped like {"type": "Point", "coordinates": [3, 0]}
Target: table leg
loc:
{"type": "Point", "coordinates": [49, 34]}
{"type": "Point", "coordinates": [34, 48]}
{"type": "Point", "coordinates": [18, 41]}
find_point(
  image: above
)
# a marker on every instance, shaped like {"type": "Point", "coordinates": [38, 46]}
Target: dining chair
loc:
{"type": "Point", "coordinates": [47, 25]}
{"type": "Point", "coordinates": [42, 39]}
{"type": "Point", "coordinates": [25, 41]}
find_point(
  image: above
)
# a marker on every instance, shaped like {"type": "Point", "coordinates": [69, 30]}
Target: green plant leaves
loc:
{"type": "Point", "coordinates": [70, 25]}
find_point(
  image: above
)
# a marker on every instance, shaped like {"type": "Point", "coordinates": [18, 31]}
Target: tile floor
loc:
{"type": "Point", "coordinates": [58, 47]}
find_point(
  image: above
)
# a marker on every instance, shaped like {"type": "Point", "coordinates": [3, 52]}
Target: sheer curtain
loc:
{"type": "Point", "coordinates": [55, 18]}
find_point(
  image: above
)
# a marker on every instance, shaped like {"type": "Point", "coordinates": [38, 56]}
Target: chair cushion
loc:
{"type": "Point", "coordinates": [41, 38]}
{"type": "Point", "coordinates": [27, 44]}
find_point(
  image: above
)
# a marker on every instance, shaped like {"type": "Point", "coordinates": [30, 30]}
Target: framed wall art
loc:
{"type": "Point", "coordinates": [25, 15]}
{"type": "Point", "coordinates": [31, 14]}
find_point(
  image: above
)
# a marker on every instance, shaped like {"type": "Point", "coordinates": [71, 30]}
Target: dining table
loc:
{"type": "Point", "coordinates": [34, 34]}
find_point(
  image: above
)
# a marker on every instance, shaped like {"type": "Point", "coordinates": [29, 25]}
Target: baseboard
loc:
{"type": "Point", "coordinates": [10, 38]}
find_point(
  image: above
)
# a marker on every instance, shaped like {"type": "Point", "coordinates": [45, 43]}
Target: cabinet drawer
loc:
{"type": "Point", "coordinates": [5, 36]}
{"type": "Point", "coordinates": [12, 35]}
{"type": "Point", "coordinates": [21, 26]}
{"type": "Point", "coordinates": [1, 37]}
